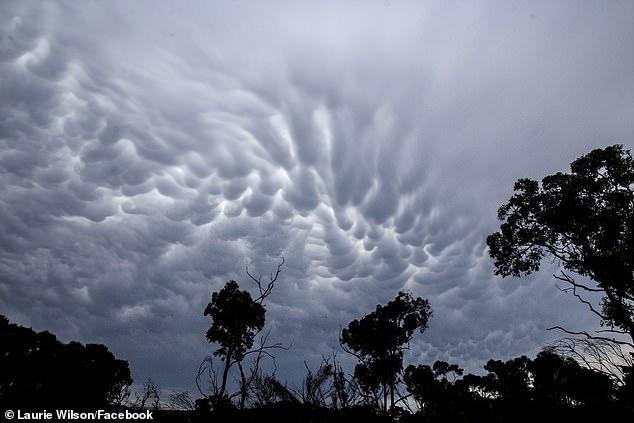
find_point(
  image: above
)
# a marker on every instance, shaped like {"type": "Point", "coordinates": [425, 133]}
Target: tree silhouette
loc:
{"type": "Point", "coordinates": [438, 396]}
{"type": "Point", "coordinates": [625, 392]}
{"type": "Point", "coordinates": [559, 382]}
{"type": "Point", "coordinates": [378, 340]}
{"type": "Point", "coordinates": [237, 318]}
{"type": "Point", "coordinates": [604, 356]}
{"type": "Point", "coordinates": [509, 383]}
{"type": "Point", "coordinates": [585, 221]}
{"type": "Point", "coordinates": [36, 370]}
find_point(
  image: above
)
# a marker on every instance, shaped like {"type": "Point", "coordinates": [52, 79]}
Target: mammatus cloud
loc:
{"type": "Point", "coordinates": [148, 152]}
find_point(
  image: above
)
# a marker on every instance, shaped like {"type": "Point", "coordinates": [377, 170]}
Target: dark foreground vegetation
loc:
{"type": "Point", "coordinates": [582, 220]}
{"type": "Point", "coordinates": [37, 370]}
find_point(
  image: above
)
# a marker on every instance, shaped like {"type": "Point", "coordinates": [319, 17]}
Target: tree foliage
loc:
{"type": "Point", "coordinates": [37, 370]}
{"type": "Point", "coordinates": [585, 221]}
{"type": "Point", "coordinates": [433, 388]}
{"type": "Point", "coordinates": [549, 387]}
{"type": "Point", "coordinates": [378, 339]}
{"type": "Point", "coordinates": [236, 319]}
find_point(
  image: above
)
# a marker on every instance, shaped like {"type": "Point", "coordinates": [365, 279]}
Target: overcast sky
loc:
{"type": "Point", "coordinates": [149, 150]}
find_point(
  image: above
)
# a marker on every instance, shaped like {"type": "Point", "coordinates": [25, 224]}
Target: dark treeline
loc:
{"type": "Point", "coordinates": [38, 371]}
{"type": "Point", "coordinates": [583, 221]}
{"type": "Point", "coordinates": [549, 387]}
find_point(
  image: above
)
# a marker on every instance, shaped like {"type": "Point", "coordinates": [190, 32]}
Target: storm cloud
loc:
{"type": "Point", "coordinates": [150, 150]}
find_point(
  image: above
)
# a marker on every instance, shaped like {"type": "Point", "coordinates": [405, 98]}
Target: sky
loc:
{"type": "Point", "coordinates": [149, 151]}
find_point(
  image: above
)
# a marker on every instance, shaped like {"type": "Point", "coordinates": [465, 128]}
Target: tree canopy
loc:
{"type": "Point", "coordinates": [37, 370]}
{"type": "Point", "coordinates": [378, 340]}
{"type": "Point", "coordinates": [236, 318]}
{"type": "Point", "coordinates": [585, 221]}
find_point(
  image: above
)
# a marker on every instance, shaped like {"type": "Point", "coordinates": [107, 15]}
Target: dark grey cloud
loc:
{"type": "Point", "coordinates": [148, 152]}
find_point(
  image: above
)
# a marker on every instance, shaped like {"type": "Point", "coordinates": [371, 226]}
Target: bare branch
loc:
{"type": "Point", "coordinates": [180, 401]}
{"type": "Point", "coordinates": [573, 290]}
{"type": "Point", "coordinates": [605, 357]}
{"type": "Point", "coordinates": [622, 332]}
{"type": "Point", "coordinates": [265, 291]}
{"type": "Point", "coordinates": [588, 336]}
{"type": "Point", "coordinates": [349, 351]}
{"type": "Point", "coordinates": [568, 279]}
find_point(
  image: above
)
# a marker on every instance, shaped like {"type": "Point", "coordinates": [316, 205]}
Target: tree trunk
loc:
{"type": "Point", "coordinates": [384, 397]}
{"type": "Point", "coordinates": [243, 386]}
{"type": "Point", "coordinates": [225, 373]}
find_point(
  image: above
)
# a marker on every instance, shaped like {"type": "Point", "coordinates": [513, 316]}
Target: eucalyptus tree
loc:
{"type": "Point", "coordinates": [584, 221]}
{"type": "Point", "coordinates": [237, 319]}
{"type": "Point", "coordinates": [378, 339]}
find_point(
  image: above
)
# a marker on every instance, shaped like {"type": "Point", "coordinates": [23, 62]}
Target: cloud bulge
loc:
{"type": "Point", "coordinates": [148, 151]}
